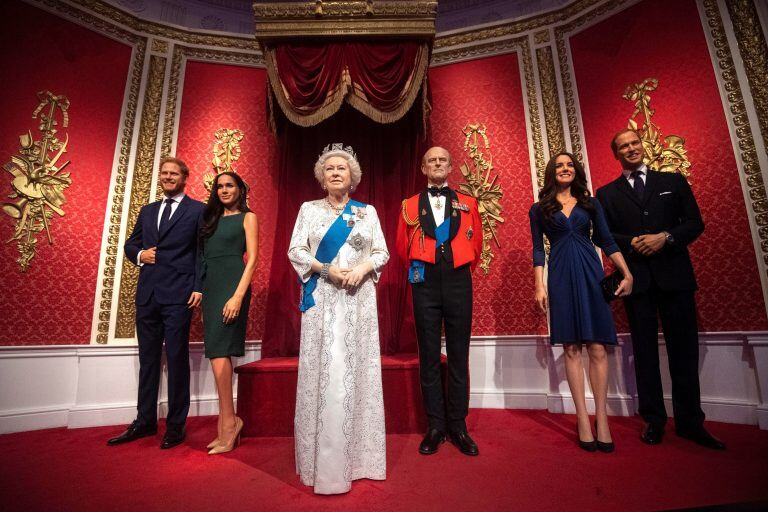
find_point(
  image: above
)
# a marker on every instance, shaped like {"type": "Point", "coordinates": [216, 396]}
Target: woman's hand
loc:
{"type": "Point", "coordinates": [355, 276]}
{"type": "Point", "coordinates": [625, 286]}
{"type": "Point", "coordinates": [541, 298]}
{"type": "Point", "coordinates": [336, 275]}
{"type": "Point", "coordinates": [231, 310]}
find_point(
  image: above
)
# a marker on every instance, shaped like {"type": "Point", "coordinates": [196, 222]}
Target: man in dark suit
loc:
{"type": "Point", "coordinates": [653, 216]}
{"type": "Point", "coordinates": [440, 234]}
{"type": "Point", "coordinates": [164, 244]}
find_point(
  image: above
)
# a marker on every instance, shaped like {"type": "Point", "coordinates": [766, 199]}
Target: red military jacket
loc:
{"type": "Point", "coordinates": [416, 229]}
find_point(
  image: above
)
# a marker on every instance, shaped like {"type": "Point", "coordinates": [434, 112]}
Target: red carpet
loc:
{"type": "Point", "coordinates": [528, 461]}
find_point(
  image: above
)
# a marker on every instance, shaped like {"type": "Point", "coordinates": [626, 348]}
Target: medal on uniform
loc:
{"type": "Point", "coordinates": [423, 211]}
{"type": "Point", "coordinates": [470, 233]}
{"type": "Point", "coordinates": [438, 203]}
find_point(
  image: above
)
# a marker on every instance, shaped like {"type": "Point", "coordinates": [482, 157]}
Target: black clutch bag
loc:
{"type": "Point", "coordinates": [609, 284]}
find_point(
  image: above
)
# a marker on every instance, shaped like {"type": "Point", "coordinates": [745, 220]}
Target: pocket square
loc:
{"type": "Point", "coordinates": [665, 193]}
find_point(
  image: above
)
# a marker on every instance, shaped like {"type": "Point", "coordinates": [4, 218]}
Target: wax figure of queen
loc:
{"type": "Point", "coordinates": [440, 235]}
{"type": "Point", "coordinates": [164, 243]}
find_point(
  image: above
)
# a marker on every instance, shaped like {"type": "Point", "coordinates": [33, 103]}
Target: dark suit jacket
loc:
{"type": "Point", "coordinates": [176, 272]}
{"type": "Point", "coordinates": [667, 205]}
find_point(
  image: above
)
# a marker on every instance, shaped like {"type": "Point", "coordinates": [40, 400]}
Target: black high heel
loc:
{"type": "Point", "coordinates": [589, 446]}
{"type": "Point", "coordinates": [601, 446]}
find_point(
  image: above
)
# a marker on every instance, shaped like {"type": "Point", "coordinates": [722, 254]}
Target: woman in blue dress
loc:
{"type": "Point", "coordinates": [579, 315]}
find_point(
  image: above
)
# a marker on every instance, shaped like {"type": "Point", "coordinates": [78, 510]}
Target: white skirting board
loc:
{"type": "Point", "coordinates": [90, 385]}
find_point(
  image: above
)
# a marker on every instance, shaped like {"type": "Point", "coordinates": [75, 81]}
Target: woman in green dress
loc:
{"type": "Point", "coordinates": [230, 230]}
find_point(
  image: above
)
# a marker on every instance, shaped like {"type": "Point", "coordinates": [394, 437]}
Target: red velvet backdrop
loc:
{"type": "Point", "coordinates": [626, 49]}
{"type": "Point", "coordinates": [53, 302]}
{"type": "Point", "coordinates": [389, 155]}
{"type": "Point", "coordinates": [489, 91]}
{"type": "Point", "coordinates": [228, 96]}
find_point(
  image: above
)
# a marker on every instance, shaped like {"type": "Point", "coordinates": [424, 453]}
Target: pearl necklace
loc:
{"type": "Point", "coordinates": [336, 209]}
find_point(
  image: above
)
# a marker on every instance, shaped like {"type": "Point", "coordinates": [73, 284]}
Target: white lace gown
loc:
{"type": "Point", "coordinates": [339, 423]}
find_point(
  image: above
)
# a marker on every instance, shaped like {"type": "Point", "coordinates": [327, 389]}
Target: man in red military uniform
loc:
{"type": "Point", "coordinates": [440, 235]}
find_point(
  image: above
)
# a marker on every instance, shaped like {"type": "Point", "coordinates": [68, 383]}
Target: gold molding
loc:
{"type": "Point", "coordinates": [541, 37]}
{"type": "Point", "coordinates": [140, 189]}
{"type": "Point", "coordinates": [577, 147]}
{"type": "Point", "coordinates": [754, 53]}
{"type": "Point", "coordinates": [159, 45]}
{"type": "Point", "coordinates": [405, 18]}
{"type": "Point", "coordinates": [550, 100]}
{"type": "Point", "coordinates": [737, 112]}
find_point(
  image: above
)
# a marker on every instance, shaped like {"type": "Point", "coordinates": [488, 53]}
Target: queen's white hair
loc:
{"type": "Point", "coordinates": [354, 167]}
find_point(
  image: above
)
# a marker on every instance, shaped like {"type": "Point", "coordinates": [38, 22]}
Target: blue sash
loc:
{"type": "Point", "coordinates": [417, 268]}
{"type": "Point", "coordinates": [329, 247]}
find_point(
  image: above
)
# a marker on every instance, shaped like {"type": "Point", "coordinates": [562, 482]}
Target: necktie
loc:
{"type": "Point", "coordinates": [165, 218]}
{"type": "Point", "coordinates": [435, 191]}
{"type": "Point", "coordinates": [639, 185]}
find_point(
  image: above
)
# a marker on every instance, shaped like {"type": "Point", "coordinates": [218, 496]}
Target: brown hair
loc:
{"type": "Point", "coordinates": [172, 159]}
{"type": "Point", "coordinates": [614, 147]}
{"type": "Point", "coordinates": [548, 194]}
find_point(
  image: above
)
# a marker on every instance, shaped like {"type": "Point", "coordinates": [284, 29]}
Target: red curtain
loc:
{"type": "Point", "coordinates": [380, 79]}
{"type": "Point", "coordinates": [389, 155]}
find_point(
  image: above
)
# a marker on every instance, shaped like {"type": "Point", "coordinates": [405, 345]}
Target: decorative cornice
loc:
{"type": "Point", "coordinates": [515, 27]}
{"type": "Point", "coordinates": [140, 189]}
{"type": "Point", "coordinates": [320, 18]}
{"type": "Point", "coordinates": [106, 13]}
{"type": "Point", "coordinates": [747, 153]}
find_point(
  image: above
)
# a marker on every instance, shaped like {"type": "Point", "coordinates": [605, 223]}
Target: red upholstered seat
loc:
{"type": "Point", "coordinates": [266, 395]}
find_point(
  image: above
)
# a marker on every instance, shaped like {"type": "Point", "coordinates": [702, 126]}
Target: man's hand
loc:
{"type": "Point", "coordinates": [194, 300]}
{"type": "Point", "coordinates": [148, 256]}
{"type": "Point", "coordinates": [648, 245]}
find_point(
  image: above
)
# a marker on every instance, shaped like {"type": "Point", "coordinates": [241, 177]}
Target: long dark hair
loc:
{"type": "Point", "coordinates": [548, 194]}
{"type": "Point", "coordinates": [214, 209]}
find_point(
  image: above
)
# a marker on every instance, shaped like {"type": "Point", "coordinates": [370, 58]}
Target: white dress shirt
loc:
{"type": "Point", "coordinates": [438, 213]}
{"type": "Point", "coordinates": [174, 206]}
{"type": "Point", "coordinates": [643, 174]}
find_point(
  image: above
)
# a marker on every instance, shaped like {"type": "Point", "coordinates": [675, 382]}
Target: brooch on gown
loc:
{"type": "Point", "coordinates": [357, 241]}
{"type": "Point", "coordinates": [358, 212]}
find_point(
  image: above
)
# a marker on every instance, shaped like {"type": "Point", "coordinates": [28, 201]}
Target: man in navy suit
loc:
{"type": "Point", "coordinates": [653, 217]}
{"type": "Point", "coordinates": [164, 244]}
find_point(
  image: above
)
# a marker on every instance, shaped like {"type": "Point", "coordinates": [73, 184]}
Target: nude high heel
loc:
{"type": "Point", "coordinates": [233, 441]}
{"type": "Point", "coordinates": [216, 441]}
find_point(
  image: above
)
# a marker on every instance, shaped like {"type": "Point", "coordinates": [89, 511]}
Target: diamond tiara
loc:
{"type": "Point", "coordinates": [339, 146]}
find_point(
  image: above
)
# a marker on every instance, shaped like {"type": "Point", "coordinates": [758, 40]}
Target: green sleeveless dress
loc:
{"type": "Point", "coordinates": [223, 260]}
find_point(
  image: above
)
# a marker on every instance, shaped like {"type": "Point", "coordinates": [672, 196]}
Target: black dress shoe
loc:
{"type": "Point", "coordinates": [464, 443]}
{"type": "Point", "coordinates": [431, 442]}
{"type": "Point", "coordinates": [652, 434]}
{"type": "Point", "coordinates": [173, 437]}
{"type": "Point", "coordinates": [702, 437]}
{"type": "Point", "coordinates": [134, 431]}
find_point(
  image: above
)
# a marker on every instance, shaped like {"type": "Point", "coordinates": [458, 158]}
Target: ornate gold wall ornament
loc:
{"type": "Point", "coordinates": [482, 187]}
{"type": "Point", "coordinates": [38, 181]}
{"type": "Point", "coordinates": [226, 151]}
{"type": "Point", "coordinates": [669, 156]}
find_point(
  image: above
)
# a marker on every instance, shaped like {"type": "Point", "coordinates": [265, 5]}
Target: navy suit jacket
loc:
{"type": "Point", "coordinates": [668, 205]}
{"type": "Point", "coordinates": [176, 272]}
